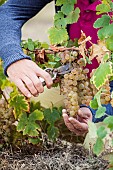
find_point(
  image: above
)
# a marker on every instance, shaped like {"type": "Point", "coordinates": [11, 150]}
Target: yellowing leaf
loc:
{"type": "Point", "coordinates": [101, 74]}
{"type": "Point", "coordinates": [92, 130]}
{"type": "Point", "coordinates": [99, 51]}
{"type": "Point", "coordinates": [82, 44]}
{"type": "Point", "coordinates": [20, 104]}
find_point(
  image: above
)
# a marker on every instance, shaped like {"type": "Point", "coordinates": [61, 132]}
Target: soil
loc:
{"type": "Point", "coordinates": [61, 155]}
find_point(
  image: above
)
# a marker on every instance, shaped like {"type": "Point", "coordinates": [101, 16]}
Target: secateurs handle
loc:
{"type": "Point", "coordinates": [55, 72]}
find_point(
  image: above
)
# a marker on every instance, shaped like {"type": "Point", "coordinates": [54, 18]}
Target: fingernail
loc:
{"type": "Point", "coordinates": [70, 118]}
{"type": "Point", "coordinates": [63, 114]}
{"type": "Point", "coordinates": [29, 95]}
{"type": "Point", "coordinates": [63, 110]}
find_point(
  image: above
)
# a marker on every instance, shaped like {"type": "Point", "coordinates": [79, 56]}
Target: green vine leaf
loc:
{"type": "Point", "coordinates": [28, 124]}
{"type": "Point", "coordinates": [105, 70]}
{"type": "Point", "coordinates": [99, 146]}
{"type": "Point", "coordinates": [59, 20]}
{"type": "Point", "coordinates": [30, 130]}
{"type": "Point", "coordinates": [109, 122]}
{"type": "Point", "coordinates": [100, 112]}
{"type": "Point", "coordinates": [20, 104]}
{"type": "Point", "coordinates": [73, 16]}
{"type": "Point", "coordinates": [70, 8]}
{"type": "Point", "coordinates": [101, 22]}
{"type": "Point", "coordinates": [101, 132]}
{"type": "Point", "coordinates": [102, 8]}
{"type": "Point", "coordinates": [101, 33]}
{"type": "Point", "coordinates": [61, 2]}
{"type": "Point", "coordinates": [22, 122]}
{"type": "Point", "coordinates": [105, 32]}
{"type": "Point", "coordinates": [36, 115]}
{"type": "Point", "coordinates": [34, 141]}
{"type": "Point", "coordinates": [51, 116]}
{"type": "Point", "coordinates": [109, 43]}
{"type": "Point", "coordinates": [94, 104]}
{"type": "Point", "coordinates": [30, 45]}
{"type": "Point", "coordinates": [52, 132]}
{"type": "Point", "coordinates": [57, 35]}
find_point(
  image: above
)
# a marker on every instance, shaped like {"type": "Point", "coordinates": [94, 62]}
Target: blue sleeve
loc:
{"type": "Point", "coordinates": [13, 14]}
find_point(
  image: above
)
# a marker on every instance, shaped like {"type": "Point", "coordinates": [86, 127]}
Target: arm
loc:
{"type": "Point", "coordinates": [13, 14]}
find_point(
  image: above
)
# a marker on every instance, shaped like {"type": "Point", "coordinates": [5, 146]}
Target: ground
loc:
{"type": "Point", "coordinates": [60, 155]}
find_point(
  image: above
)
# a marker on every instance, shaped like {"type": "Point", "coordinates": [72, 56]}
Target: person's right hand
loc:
{"type": "Point", "coordinates": [78, 125]}
{"type": "Point", "coordinates": [25, 74]}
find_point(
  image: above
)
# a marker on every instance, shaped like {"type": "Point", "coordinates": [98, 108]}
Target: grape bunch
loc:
{"type": "Point", "coordinates": [76, 86]}
{"type": "Point", "coordinates": [6, 120]}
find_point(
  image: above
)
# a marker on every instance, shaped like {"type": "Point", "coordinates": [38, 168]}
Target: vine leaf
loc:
{"type": "Point", "coordinates": [73, 16]}
{"type": "Point", "coordinates": [34, 141]}
{"type": "Point", "coordinates": [109, 122]}
{"type": "Point", "coordinates": [66, 10]}
{"type": "Point", "coordinates": [51, 116]}
{"type": "Point", "coordinates": [61, 2]}
{"type": "Point", "coordinates": [30, 44]}
{"type": "Point", "coordinates": [20, 104]}
{"type": "Point", "coordinates": [101, 132]}
{"type": "Point", "coordinates": [100, 112]}
{"type": "Point", "coordinates": [101, 74]}
{"type": "Point", "coordinates": [57, 35]}
{"type": "Point", "coordinates": [52, 132]}
{"type": "Point", "coordinates": [92, 130]}
{"type": "Point", "coordinates": [28, 124]}
{"type": "Point", "coordinates": [109, 43]}
{"type": "Point", "coordinates": [59, 20]}
{"type": "Point", "coordinates": [101, 22]}
{"type": "Point", "coordinates": [94, 104]}
{"type": "Point", "coordinates": [99, 146]}
{"type": "Point", "coordinates": [102, 8]}
{"type": "Point", "coordinates": [22, 122]}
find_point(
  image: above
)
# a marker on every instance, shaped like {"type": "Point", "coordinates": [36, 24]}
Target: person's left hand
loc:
{"type": "Point", "coordinates": [78, 125]}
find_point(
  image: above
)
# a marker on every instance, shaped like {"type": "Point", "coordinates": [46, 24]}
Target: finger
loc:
{"type": "Point", "coordinates": [78, 125]}
{"type": "Point", "coordinates": [67, 122]}
{"type": "Point", "coordinates": [84, 114]}
{"type": "Point", "coordinates": [22, 88]}
{"type": "Point", "coordinates": [29, 84]}
{"type": "Point", "coordinates": [46, 76]}
{"type": "Point", "coordinates": [82, 120]}
{"type": "Point", "coordinates": [37, 83]}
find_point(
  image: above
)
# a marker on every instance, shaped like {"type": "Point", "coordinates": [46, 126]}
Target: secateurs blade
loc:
{"type": "Point", "coordinates": [57, 72]}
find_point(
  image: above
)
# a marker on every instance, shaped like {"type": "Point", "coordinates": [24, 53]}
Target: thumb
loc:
{"type": "Point", "coordinates": [83, 112]}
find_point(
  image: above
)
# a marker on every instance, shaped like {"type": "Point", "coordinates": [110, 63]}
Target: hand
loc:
{"type": "Point", "coordinates": [24, 73]}
{"type": "Point", "coordinates": [78, 125]}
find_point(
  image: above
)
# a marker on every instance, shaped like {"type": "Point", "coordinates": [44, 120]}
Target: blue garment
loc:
{"type": "Point", "coordinates": [13, 14]}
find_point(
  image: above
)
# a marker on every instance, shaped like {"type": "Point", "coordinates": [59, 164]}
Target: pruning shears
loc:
{"type": "Point", "coordinates": [57, 72]}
